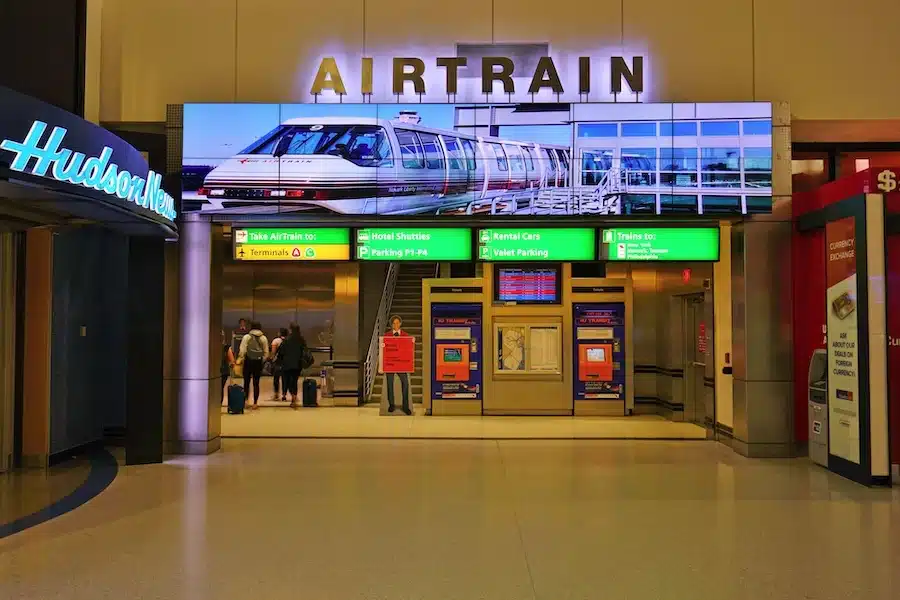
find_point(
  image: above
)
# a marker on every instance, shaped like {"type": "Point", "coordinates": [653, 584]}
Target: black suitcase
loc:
{"type": "Point", "coordinates": [310, 390]}
{"type": "Point", "coordinates": [235, 400]}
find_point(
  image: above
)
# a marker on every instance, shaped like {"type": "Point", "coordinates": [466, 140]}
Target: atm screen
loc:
{"type": "Point", "coordinates": [596, 354]}
{"type": "Point", "coordinates": [452, 355]}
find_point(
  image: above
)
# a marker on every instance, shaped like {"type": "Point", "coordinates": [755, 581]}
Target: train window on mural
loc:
{"type": "Point", "coordinates": [761, 127]}
{"type": "Point", "coordinates": [677, 128]}
{"type": "Point", "coordinates": [720, 159]}
{"type": "Point", "coordinates": [638, 129]}
{"type": "Point", "coordinates": [678, 159]}
{"type": "Point", "coordinates": [499, 155]}
{"type": "Point", "coordinates": [551, 164]}
{"type": "Point", "coordinates": [729, 204]}
{"type": "Point", "coordinates": [529, 157]}
{"type": "Point", "coordinates": [410, 149]}
{"type": "Point", "coordinates": [610, 130]}
{"type": "Point", "coordinates": [757, 159]}
{"type": "Point", "coordinates": [434, 154]}
{"type": "Point", "coordinates": [363, 145]}
{"type": "Point", "coordinates": [563, 159]}
{"type": "Point", "coordinates": [720, 128]}
{"type": "Point", "coordinates": [516, 160]}
{"type": "Point", "coordinates": [304, 140]}
{"type": "Point", "coordinates": [454, 154]}
{"type": "Point", "coordinates": [469, 151]}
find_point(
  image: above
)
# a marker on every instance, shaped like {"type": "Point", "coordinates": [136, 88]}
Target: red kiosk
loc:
{"type": "Point", "coordinates": [846, 299]}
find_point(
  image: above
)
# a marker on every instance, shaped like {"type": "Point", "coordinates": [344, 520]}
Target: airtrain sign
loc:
{"type": "Point", "coordinates": [496, 74]}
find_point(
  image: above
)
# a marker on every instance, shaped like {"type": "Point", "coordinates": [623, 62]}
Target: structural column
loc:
{"type": "Point", "coordinates": [198, 342]}
{"type": "Point", "coordinates": [36, 348]}
{"type": "Point", "coordinates": [762, 339]}
{"type": "Point", "coordinates": [146, 334]}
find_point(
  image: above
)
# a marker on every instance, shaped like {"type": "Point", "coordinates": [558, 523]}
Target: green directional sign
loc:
{"type": "Point", "coordinates": [297, 244]}
{"type": "Point", "coordinates": [536, 244]}
{"type": "Point", "coordinates": [414, 243]}
{"type": "Point", "coordinates": [660, 244]}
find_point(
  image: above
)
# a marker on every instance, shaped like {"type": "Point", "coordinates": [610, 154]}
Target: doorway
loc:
{"type": "Point", "coordinates": [699, 391]}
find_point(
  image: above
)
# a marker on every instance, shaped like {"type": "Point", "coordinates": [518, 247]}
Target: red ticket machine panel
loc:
{"type": "Point", "coordinates": [452, 362]}
{"type": "Point", "coordinates": [595, 362]}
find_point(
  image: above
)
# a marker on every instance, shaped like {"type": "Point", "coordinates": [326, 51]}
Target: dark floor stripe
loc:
{"type": "Point", "coordinates": [103, 471]}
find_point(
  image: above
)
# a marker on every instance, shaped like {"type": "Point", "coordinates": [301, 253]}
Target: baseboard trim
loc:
{"type": "Point", "coordinates": [193, 447]}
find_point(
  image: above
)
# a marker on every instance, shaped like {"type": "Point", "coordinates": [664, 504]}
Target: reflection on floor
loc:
{"type": "Point", "coordinates": [452, 520]}
{"type": "Point", "coordinates": [365, 422]}
{"type": "Point", "coordinates": [25, 492]}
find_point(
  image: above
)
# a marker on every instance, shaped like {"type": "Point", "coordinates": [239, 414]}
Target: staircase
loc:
{"type": "Point", "coordinates": [407, 303]}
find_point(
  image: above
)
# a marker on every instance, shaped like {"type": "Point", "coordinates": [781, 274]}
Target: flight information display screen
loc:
{"type": "Point", "coordinates": [527, 285]}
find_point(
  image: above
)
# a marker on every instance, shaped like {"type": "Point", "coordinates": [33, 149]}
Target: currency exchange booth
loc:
{"type": "Point", "coordinates": [529, 338]}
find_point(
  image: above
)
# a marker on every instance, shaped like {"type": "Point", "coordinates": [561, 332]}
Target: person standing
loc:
{"type": "Point", "coordinates": [293, 352]}
{"type": "Point", "coordinates": [227, 361]}
{"type": "Point", "coordinates": [278, 381]}
{"type": "Point", "coordinates": [254, 352]}
{"type": "Point", "coordinates": [396, 331]}
{"type": "Point", "coordinates": [237, 336]}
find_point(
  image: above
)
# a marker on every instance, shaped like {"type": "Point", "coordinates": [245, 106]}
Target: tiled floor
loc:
{"type": "Point", "coordinates": [433, 519]}
{"type": "Point", "coordinates": [365, 422]}
{"type": "Point", "coordinates": [25, 492]}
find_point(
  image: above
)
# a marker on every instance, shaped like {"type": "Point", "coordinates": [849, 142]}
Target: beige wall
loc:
{"type": "Point", "coordinates": [820, 55]}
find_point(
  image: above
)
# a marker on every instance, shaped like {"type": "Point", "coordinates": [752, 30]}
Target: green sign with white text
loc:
{"type": "Point", "coordinates": [292, 244]}
{"type": "Point", "coordinates": [536, 244]}
{"type": "Point", "coordinates": [660, 244]}
{"type": "Point", "coordinates": [413, 243]}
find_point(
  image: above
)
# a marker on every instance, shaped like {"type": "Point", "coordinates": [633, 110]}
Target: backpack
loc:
{"type": "Point", "coordinates": [307, 359]}
{"type": "Point", "coordinates": [255, 350]}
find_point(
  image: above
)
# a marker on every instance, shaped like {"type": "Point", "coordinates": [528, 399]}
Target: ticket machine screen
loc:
{"type": "Point", "coordinates": [452, 362]}
{"type": "Point", "coordinates": [595, 362]}
{"type": "Point", "coordinates": [596, 354]}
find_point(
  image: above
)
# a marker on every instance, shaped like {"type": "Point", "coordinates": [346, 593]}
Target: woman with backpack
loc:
{"type": "Point", "coordinates": [254, 352]}
{"type": "Point", "coordinates": [294, 357]}
{"type": "Point", "coordinates": [277, 367]}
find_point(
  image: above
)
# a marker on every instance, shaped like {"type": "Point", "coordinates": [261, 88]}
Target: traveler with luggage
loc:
{"type": "Point", "coordinates": [295, 356]}
{"type": "Point", "coordinates": [254, 352]}
{"type": "Point", "coordinates": [278, 367]}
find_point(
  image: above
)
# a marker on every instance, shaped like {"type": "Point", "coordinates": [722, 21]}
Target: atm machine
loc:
{"type": "Point", "coordinates": [817, 386]}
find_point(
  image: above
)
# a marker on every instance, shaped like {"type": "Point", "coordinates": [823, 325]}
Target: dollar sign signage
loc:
{"type": "Point", "coordinates": [887, 181]}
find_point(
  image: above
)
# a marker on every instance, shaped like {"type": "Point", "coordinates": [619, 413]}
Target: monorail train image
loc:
{"type": "Point", "coordinates": [368, 166]}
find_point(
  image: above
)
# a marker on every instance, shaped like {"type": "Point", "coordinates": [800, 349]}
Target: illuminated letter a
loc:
{"type": "Point", "coordinates": [328, 77]}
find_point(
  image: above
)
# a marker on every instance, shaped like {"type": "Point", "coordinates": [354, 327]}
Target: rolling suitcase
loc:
{"type": "Point", "coordinates": [310, 390]}
{"type": "Point", "coordinates": [235, 399]}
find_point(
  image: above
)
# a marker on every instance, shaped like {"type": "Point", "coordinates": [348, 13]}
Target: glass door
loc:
{"type": "Point", "coordinates": [697, 336]}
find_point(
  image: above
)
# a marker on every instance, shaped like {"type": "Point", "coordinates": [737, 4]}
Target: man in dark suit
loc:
{"type": "Point", "coordinates": [395, 331]}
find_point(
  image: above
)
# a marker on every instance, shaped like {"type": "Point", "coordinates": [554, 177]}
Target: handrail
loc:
{"type": "Point", "coordinates": [384, 309]}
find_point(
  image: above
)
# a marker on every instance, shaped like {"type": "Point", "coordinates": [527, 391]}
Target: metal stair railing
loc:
{"type": "Point", "coordinates": [384, 309]}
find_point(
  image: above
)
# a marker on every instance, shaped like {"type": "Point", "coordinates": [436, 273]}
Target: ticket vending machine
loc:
{"type": "Point", "coordinates": [595, 362]}
{"type": "Point", "coordinates": [452, 361]}
{"type": "Point", "coordinates": [817, 386]}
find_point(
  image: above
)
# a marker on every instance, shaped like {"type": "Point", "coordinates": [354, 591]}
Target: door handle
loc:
{"type": "Point", "coordinates": [698, 364]}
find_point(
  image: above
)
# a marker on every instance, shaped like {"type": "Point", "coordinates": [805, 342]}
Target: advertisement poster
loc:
{"type": "Point", "coordinates": [599, 351]}
{"type": "Point", "coordinates": [456, 352]}
{"type": "Point", "coordinates": [398, 354]}
{"type": "Point", "coordinates": [843, 340]}
{"type": "Point", "coordinates": [478, 159]}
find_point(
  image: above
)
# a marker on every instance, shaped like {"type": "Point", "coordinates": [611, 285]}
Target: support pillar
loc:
{"type": "Point", "coordinates": [36, 348]}
{"type": "Point", "coordinates": [200, 315]}
{"type": "Point", "coordinates": [762, 339]}
{"type": "Point", "coordinates": [146, 334]}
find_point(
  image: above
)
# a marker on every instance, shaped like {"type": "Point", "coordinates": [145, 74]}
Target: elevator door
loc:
{"type": "Point", "coordinates": [696, 340]}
